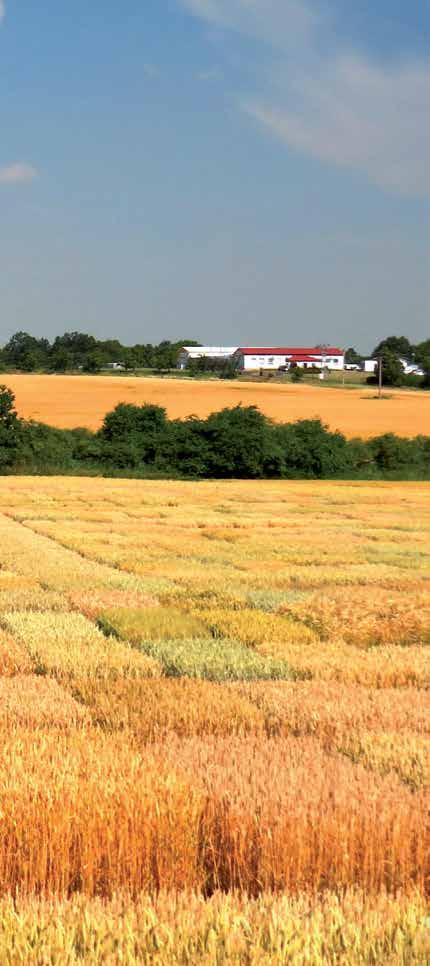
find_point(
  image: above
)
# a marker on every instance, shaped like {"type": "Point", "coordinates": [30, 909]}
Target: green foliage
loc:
{"type": "Point", "coordinates": [237, 443]}
{"type": "Point", "coordinates": [352, 357]}
{"type": "Point", "coordinates": [43, 447]}
{"type": "Point", "coordinates": [390, 452]}
{"type": "Point", "coordinates": [297, 374]}
{"type": "Point", "coordinates": [206, 365]}
{"type": "Point", "coordinates": [241, 444]}
{"type": "Point", "coordinates": [25, 352]}
{"type": "Point", "coordinates": [422, 354]}
{"type": "Point", "coordinates": [9, 429]}
{"type": "Point", "coordinates": [310, 450]}
{"type": "Point", "coordinates": [426, 367]}
{"type": "Point", "coordinates": [397, 345]}
{"type": "Point", "coordinates": [132, 435]}
{"type": "Point", "coordinates": [392, 369]}
{"type": "Point", "coordinates": [78, 350]}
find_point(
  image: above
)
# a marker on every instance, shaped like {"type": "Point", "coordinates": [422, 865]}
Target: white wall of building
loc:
{"type": "Point", "coordinates": [250, 363]}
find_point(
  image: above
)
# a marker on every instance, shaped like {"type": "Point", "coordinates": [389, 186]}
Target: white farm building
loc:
{"type": "Point", "coordinates": [287, 357]}
{"type": "Point", "coordinates": [204, 352]}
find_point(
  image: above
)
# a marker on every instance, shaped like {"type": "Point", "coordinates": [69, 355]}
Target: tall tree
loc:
{"type": "Point", "coordinates": [398, 345]}
{"type": "Point", "coordinates": [392, 369]}
{"type": "Point", "coordinates": [352, 357]}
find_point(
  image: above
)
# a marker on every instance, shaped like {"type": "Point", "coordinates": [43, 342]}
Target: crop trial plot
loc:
{"type": "Point", "coordinates": [214, 722]}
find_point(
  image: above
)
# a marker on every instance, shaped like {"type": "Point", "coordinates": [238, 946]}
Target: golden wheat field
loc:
{"type": "Point", "coordinates": [70, 401]}
{"type": "Point", "coordinates": [215, 722]}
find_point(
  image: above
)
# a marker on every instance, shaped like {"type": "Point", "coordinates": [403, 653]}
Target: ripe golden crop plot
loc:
{"type": "Point", "coordinates": [84, 811]}
{"type": "Point", "coordinates": [178, 929]}
{"type": "Point", "coordinates": [382, 667]}
{"type": "Point", "coordinates": [407, 756]}
{"type": "Point", "coordinates": [384, 730]}
{"type": "Point", "coordinates": [70, 401]}
{"type": "Point", "coordinates": [14, 659]}
{"type": "Point", "coordinates": [91, 603]}
{"type": "Point", "coordinates": [254, 628]}
{"type": "Point", "coordinates": [304, 784]}
{"type": "Point", "coordinates": [283, 814]}
{"type": "Point", "coordinates": [367, 618]}
{"type": "Point", "coordinates": [154, 624]}
{"type": "Point", "coordinates": [322, 709]}
{"type": "Point", "coordinates": [36, 702]}
{"type": "Point", "coordinates": [67, 645]}
{"type": "Point", "coordinates": [155, 708]}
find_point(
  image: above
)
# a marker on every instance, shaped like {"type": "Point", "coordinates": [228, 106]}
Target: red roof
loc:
{"type": "Point", "coordinates": [303, 358]}
{"type": "Point", "coordinates": [293, 351]}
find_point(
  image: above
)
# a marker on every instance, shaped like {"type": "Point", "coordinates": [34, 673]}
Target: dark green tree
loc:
{"type": "Point", "coordinates": [133, 433]}
{"type": "Point", "coordinates": [310, 450]}
{"type": "Point", "coordinates": [241, 444]}
{"type": "Point", "coordinates": [392, 369]}
{"type": "Point", "coordinates": [426, 367]}
{"type": "Point", "coordinates": [77, 345]}
{"type": "Point", "coordinates": [24, 351]}
{"type": "Point", "coordinates": [397, 345]}
{"type": "Point", "coordinates": [9, 428]}
{"type": "Point", "coordinates": [94, 361]}
{"type": "Point", "coordinates": [61, 360]}
{"type": "Point", "coordinates": [422, 353]}
{"type": "Point", "coordinates": [352, 357]}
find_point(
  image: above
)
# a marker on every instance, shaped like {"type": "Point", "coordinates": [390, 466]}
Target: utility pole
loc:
{"type": "Point", "coordinates": [380, 377]}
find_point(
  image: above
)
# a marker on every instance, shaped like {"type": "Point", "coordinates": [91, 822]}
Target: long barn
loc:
{"type": "Point", "coordinates": [275, 357]}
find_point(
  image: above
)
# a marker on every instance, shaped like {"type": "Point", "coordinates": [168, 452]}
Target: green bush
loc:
{"type": "Point", "coordinates": [238, 443]}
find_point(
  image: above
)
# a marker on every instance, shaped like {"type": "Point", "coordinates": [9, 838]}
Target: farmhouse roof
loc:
{"type": "Point", "coordinates": [293, 351]}
{"type": "Point", "coordinates": [302, 357]}
{"type": "Point", "coordinates": [209, 348]}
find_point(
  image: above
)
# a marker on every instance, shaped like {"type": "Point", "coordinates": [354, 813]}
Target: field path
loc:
{"type": "Point", "coordinates": [71, 401]}
{"type": "Point", "coordinates": [55, 566]}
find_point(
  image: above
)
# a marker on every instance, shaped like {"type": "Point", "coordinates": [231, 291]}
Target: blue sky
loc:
{"type": "Point", "coordinates": [235, 171]}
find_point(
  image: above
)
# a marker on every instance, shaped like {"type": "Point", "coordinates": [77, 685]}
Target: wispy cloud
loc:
{"type": "Point", "coordinates": [18, 173]}
{"type": "Point", "coordinates": [340, 108]}
{"type": "Point", "coordinates": [2, 10]}
{"type": "Point", "coordinates": [270, 20]}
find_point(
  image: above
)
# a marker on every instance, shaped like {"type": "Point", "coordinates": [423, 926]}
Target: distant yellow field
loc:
{"type": "Point", "coordinates": [70, 401]}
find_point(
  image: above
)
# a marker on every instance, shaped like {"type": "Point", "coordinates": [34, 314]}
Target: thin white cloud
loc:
{"type": "Point", "coordinates": [18, 173]}
{"type": "Point", "coordinates": [340, 109]}
{"type": "Point", "coordinates": [360, 116]}
{"type": "Point", "coordinates": [2, 10]}
{"type": "Point", "coordinates": [276, 21]}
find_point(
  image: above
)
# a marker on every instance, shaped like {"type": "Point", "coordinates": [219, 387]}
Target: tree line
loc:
{"type": "Point", "coordinates": [80, 351]}
{"type": "Point", "coordinates": [240, 443]}
{"type": "Point", "coordinates": [77, 350]}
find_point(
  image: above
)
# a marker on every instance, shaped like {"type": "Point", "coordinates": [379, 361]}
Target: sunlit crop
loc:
{"type": "Point", "coordinates": [68, 402]}
{"type": "Point", "coordinates": [214, 722]}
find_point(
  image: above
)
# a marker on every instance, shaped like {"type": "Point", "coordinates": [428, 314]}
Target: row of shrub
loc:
{"type": "Point", "coordinates": [140, 441]}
